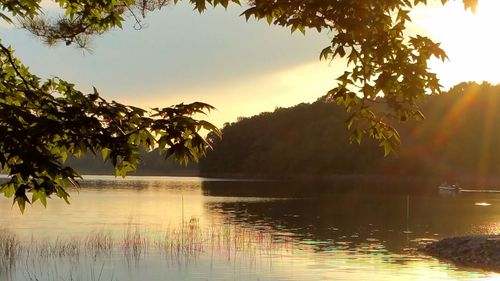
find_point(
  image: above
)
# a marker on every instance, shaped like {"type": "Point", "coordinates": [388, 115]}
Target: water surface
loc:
{"type": "Point", "coordinates": [246, 230]}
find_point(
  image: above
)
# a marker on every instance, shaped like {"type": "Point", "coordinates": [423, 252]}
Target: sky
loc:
{"type": "Point", "coordinates": [242, 68]}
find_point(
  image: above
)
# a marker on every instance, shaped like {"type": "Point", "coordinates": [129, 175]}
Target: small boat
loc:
{"type": "Point", "coordinates": [445, 187]}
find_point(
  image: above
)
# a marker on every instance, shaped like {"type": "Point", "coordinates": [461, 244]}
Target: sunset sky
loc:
{"type": "Point", "coordinates": [243, 68]}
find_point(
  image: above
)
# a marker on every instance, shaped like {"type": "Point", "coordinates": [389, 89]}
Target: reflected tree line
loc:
{"type": "Point", "coordinates": [354, 213]}
{"type": "Point", "coordinates": [456, 141]}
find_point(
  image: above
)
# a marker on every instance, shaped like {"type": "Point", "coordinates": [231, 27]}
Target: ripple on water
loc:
{"type": "Point", "coordinates": [247, 238]}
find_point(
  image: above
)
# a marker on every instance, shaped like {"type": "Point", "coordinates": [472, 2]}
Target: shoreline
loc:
{"type": "Point", "coordinates": [475, 251]}
{"type": "Point", "coordinates": [469, 181]}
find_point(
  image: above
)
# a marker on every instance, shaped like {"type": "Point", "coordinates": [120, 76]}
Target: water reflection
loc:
{"type": "Point", "coordinates": [252, 230]}
{"type": "Point", "coordinates": [357, 214]}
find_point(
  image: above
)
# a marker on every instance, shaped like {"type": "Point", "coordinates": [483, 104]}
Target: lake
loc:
{"type": "Point", "coordinates": [168, 228]}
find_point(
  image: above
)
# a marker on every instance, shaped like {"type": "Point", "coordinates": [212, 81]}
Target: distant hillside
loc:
{"type": "Point", "coordinates": [458, 139]}
{"type": "Point", "coordinates": [152, 164]}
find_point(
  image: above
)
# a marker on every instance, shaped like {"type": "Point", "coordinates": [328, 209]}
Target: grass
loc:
{"type": "Point", "coordinates": [99, 243]}
{"type": "Point", "coordinates": [9, 250]}
{"type": "Point", "coordinates": [181, 244]}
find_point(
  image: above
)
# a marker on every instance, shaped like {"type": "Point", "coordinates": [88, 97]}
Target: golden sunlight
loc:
{"type": "Point", "coordinates": [469, 39]}
{"type": "Point", "coordinates": [243, 97]}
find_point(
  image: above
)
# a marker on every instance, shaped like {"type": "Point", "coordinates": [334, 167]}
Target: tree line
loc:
{"type": "Point", "coordinates": [456, 140]}
{"type": "Point", "coordinates": [151, 163]}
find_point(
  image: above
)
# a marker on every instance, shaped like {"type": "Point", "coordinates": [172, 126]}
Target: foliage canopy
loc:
{"type": "Point", "coordinates": [43, 121]}
{"type": "Point", "coordinates": [457, 141]}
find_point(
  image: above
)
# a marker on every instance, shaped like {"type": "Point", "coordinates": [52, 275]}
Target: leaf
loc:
{"type": "Point", "coordinates": [21, 203]}
{"type": "Point", "coordinates": [358, 135]}
{"type": "Point", "coordinates": [471, 4]}
{"type": "Point", "coordinates": [339, 51]}
{"type": "Point", "coordinates": [199, 5]}
{"type": "Point", "coordinates": [105, 153]}
{"type": "Point", "coordinates": [39, 195]}
{"type": "Point", "coordinates": [21, 198]}
{"type": "Point", "coordinates": [350, 120]}
{"type": "Point", "coordinates": [43, 198]}
{"type": "Point", "coordinates": [387, 147]}
{"type": "Point", "coordinates": [8, 189]}
{"type": "Point", "coordinates": [325, 53]}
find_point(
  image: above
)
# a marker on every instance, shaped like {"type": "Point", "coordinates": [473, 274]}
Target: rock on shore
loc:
{"type": "Point", "coordinates": [481, 251]}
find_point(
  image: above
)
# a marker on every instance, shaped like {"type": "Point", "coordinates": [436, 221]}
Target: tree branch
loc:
{"type": "Point", "coordinates": [14, 66]}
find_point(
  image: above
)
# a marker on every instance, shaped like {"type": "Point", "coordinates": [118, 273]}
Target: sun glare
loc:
{"type": "Point", "coordinates": [470, 40]}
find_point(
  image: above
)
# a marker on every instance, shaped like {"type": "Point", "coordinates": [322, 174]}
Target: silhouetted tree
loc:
{"type": "Point", "coordinates": [458, 138]}
{"type": "Point", "coordinates": [43, 121]}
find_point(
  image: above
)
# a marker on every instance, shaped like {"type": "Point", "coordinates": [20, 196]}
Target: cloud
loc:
{"type": "Point", "coordinates": [253, 94]}
{"type": "Point", "coordinates": [240, 67]}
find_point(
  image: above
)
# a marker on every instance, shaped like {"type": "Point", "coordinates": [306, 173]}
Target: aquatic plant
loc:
{"type": "Point", "coordinates": [42, 259]}
{"type": "Point", "coordinates": [9, 249]}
